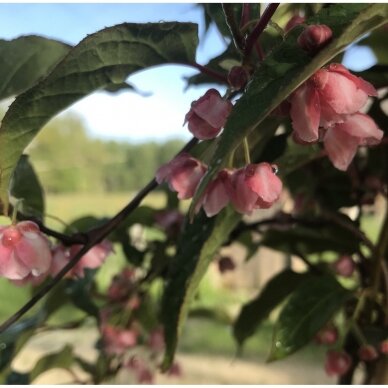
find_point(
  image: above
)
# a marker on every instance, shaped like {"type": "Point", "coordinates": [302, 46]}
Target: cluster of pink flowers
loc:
{"type": "Point", "coordinates": [26, 255]}
{"type": "Point", "coordinates": [255, 186]}
{"type": "Point", "coordinates": [327, 106]}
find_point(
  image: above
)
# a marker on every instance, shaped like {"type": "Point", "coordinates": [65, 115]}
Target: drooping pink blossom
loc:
{"type": "Point", "coordinates": [342, 140]}
{"type": "Point", "coordinates": [24, 251]}
{"type": "Point", "coordinates": [326, 99]}
{"type": "Point", "coordinates": [141, 370]}
{"type": "Point", "coordinates": [183, 174]}
{"type": "Point", "coordinates": [337, 363]}
{"type": "Point", "coordinates": [217, 194]}
{"type": "Point", "coordinates": [91, 259]}
{"type": "Point", "coordinates": [175, 370]}
{"type": "Point", "coordinates": [344, 266]}
{"type": "Point", "coordinates": [256, 186]}
{"type": "Point", "coordinates": [156, 340]}
{"type": "Point", "coordinates": [327, 336]}
{"type": "Point", "coordinates": [384, 347]}
{"type": "Point", "coordinates": [117, 340]}
{"type": "Point", "coordinates": [367, 353]}
{"type": "Point", "coordinates": [208, 115]}
{"type": "Point", "coordinates": [315, 37]}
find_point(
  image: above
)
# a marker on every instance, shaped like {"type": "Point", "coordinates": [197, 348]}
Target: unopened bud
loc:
{"type": "Point", "coordinates": [337, 363]}
{"type": "Point", "coordinates": [344, 266]}
{"type": "Point", "coordinates": [367, 353]}
{"type": "Point", "coordinates": [315, 37]}
{"type": "Point", "coordinates": [238, 77]}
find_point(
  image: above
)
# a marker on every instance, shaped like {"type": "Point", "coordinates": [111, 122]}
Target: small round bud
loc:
{"type": "Point", "coordinates": [315, 37]}
{"type": "Point", "coordinates": [367, 353]}
{"type": "Point", "coordinates": [327, 336]}
{"type": "Point", "coordinates": [337, 363]}
{"type": "Point", "coordinates": [226, 264]}
{"type": "Point", "coordinates": [238, 77]}
{"type": "Point", "coordinates": [344, 266]}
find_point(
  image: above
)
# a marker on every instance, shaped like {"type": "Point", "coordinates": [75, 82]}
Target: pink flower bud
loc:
{"type": "Point", "coordinates": [24, 251]}
{"type": "Point", "coordinates": [367, 353]}
{"type": "Point", "coordinates": [238, 77]}
{"type": "Point", "coordinates": [156, 340]}
{"type": "Point", "coordinates": [344, 266]}
{"type": "Point", "coordinates": [294, 21]}
{"type": "Point", "coordinates": [337, 363]}
{"type": "Point", "coordinates": [315, 37]}
{"type": "Point", "coordinates": [208, 115]}
{"type": "Point", "coordinates": [255, 186]}
{"type": "Point", "coordinates": [183, 174]}
{"type": "Point", "coordinates": [327, 336]}
{"type": "Point", "coordinates": [226, 264]}
{"type": "Point", "coordinates": [384, 346]}
{"type": "Point", "coordinates": [216, 195]}
{"type": "Point", "coordinates": [117, 340]}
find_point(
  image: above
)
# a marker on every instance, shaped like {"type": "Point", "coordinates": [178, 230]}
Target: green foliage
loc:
{"type": "Point", "coordinates": [35, 56]}
{"type": "Point", "coordinates": [198, 244]}
{"type": "Point", "coordinates": [106, 57]}
{"type": "Point", "coordinates": [256, 311]}
{"type": "Point", "coordinates": [25, 187]}
{"type": "Point", "coordinates": [308, 309]}
{"type": "Point", "coordinates": [284, 69]}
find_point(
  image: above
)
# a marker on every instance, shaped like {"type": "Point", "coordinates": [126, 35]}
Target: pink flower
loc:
{"type": "Point", "coordinates": [327, 336]}
{"type": "Point", "coordinates": [117, 340]}
{"type": "Point", "coordinates": [384, 346]}
{"type": "Point", "coordinates": [183, 174]}
{"type": "Point", "coordinates": [326, 99]}
{"type": "Point", "coordinates": [294, 21]}
{"type": "Point", "coordinates": [208, 115]}
{"type": "Point", "coordinates": [342, 141]}
{"type": "Point", "coordinates": [315, 37]}
{"type": "Point", "coordinates": [122, 285]}
{"type": "Point", "coordinates": [92, 259]}
{"type": "Point", "coordinates": [344, 266]}
{"type": "Point", "coordinates": [142, 372]}
{"type": "Point", "coordinates": [156, 340]}
{"type": "Point", "coordinates": [175, 370]}
{"type": "Point", "coordinates": [255, 186]}
{"type": "Point", "coordinates": [367, 353]}
{"type": "Point", "coordinates": [337, 363]}
{"type": "Point", "coordinates": [217, 194]}
{"type": "Point", "coordinates": [238, 77]}
{"type": "Point", "coordinates": [24, 251]}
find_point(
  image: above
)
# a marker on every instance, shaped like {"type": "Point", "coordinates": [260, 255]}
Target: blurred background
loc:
{"type": "Point", "coordinates": [111, 146]}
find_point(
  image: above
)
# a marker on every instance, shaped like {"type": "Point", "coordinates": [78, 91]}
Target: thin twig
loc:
{"type": "Point", "coordinates": [94, 237]}
{"type": "Point", "coordinates": [208, 71]}
{"type": "Point", "coordinates": [259, 28]}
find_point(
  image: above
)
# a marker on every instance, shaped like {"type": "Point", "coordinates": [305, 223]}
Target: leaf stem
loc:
{"type": "Point", "coordinates": [259, 28]}
{"type": "Point", "coordinates": [93, 237]}
{"type": "Point", "coordinates": [208, 71]}
{"type": "Point", "coordinates": [246, 151]}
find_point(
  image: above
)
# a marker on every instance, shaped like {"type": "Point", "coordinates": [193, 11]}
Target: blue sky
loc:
{"type": "Point", "coordinates": [128, 115]}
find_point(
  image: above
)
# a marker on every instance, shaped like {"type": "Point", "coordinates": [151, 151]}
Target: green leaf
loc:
{"type": "Point", "coordinates": [309, 308]}
{"type": "Point", "coordinates": [25, 186]}
{"type": "Point", "coordinates": [62, 359]}
{"type": "Point", "coordinates": [26, 59]}
{"type": "Point", "coordinates": [199, 243]}
{"type": "Point", "coordinates": [286, 68]}
{"type": "Point", "coordinates": [106, 57]}
{"type": "Point", "coordinates": [255, 312]}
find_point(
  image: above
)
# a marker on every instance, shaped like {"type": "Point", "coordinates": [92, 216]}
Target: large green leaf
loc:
{"type": "Point", "coordinates": [275, 291]}
{"type": "Point", "coordinates": [309, 308]}
{"type": "Point", "coordinates": [26, 59]}
{"type": "Point", "coordinates": [199, 243]}
{"type": "Point", "coordinates": [287, 67]}
{"type": "Point", "coordinates": [25, 186]}
{"type": "Point", "coordinates": [106, 57]}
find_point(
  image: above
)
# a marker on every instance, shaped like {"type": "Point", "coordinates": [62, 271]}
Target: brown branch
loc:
{"type": "Point", "coordinates": [245, 15]}
{"type": "Point", "coordinates": [259, 28]}
{"type": "Point", "coordinates": [208, 71]}
{"type": "Point", "coordinates": [94, 237]}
